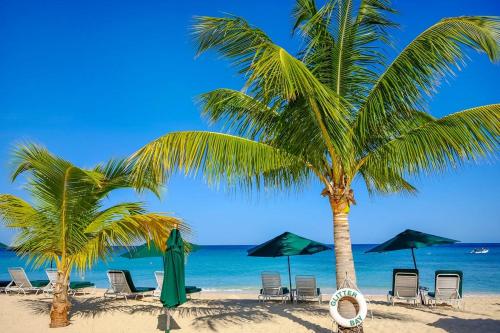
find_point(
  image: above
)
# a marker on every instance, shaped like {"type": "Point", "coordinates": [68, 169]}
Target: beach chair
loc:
{"type": "Point", "coordinates": [271, 287]}
{"type": "Point", "coordinates": [447, 288]}
{"type": "Point", "coordinates": [404, 286]}
{"type": "Point", "coordinates": [159, 282]}
{"type": "Point", "coordinates": [77, 287]}
{"type": "Point", "coordinates": [21, 284]}
{"type": "Point", "coordinates": [305, 286]}
{"type": "Point", "coordinates": [122, 285]}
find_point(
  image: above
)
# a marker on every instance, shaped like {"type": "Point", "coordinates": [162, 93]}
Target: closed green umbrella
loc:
{"type": "Point", "coordinates": [285, 245]}
{"type": "Point", "coordinates": [173, 291]}
{"type": "Point", "coordinates": [411, 239]}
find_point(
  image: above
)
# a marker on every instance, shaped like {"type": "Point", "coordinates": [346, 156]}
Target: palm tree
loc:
{"type": "Point", "coordinates": [69, 222]}
{"type": "Point", "coordinates": [336, 111]}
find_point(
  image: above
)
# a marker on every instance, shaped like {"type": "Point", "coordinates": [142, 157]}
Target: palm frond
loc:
{"type": "Point", "coordinates": [239, 113]}
{"type": "Point", "coordinates": [117, 174]}
{"type": "Point", "coordinates": [384, 180]}
{"type": "Point", "coordinates": [232, 36]}
{"type": "Point", "coordinates": [218, 156]}
{"type": "Point", "coordinates": [117, 227]}
{"type": "Point", "coordinates": [15, 212]}
{"type": "Point", "coordinates": [417, 70]}
{"type": "Point", "coordinates": [273, 75]}
{"type": "Point", "coordinates": [66, 222]}
{"type": "Point", "coordinates": [437, 144]}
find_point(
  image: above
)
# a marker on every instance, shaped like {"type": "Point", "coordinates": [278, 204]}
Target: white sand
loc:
{"type": "Point", "coordinates": [215, 312]}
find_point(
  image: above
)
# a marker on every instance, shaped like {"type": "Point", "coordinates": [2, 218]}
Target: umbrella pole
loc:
{"type": "Point", "coordinates": [290, 279]}
{"type": "Point", "coordinates": [168, 320]}
{"type": "Point", "coordinates": [413, 255]}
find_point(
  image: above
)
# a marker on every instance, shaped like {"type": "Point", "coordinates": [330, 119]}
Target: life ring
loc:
{"type": "Point", "coordinates": [352, 295]}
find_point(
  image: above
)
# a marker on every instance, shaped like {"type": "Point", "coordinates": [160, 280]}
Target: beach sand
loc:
{"type": "Point", "coordinates": [221, 312]}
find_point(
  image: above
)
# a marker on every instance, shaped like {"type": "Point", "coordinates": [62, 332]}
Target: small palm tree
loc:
{"type": "Point", "coordinates": [336, 111]}
{"type": "Point", "coordinates": [68, 221]}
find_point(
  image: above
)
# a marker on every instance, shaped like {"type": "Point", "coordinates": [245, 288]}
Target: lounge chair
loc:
{"type": "Point", "coordinates": [159, 282]}
{"type": "Point", "coordinates": [74, 287]}
{"type": "Point", "coordinates": [122, 285]}
{"type": "Point", "coordinates": [21, 284]}
{"type": "Point", "coordinates": [404, 286]}
{"type": "Point", "coordinates": [305, 286]}
{"type": "Point", "coordinates": [271, 287]}
{"type": "Point", "coordinates": [447, 288]}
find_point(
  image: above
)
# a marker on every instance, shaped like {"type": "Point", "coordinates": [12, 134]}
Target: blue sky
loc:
{"type": "Point", "coordinates": [93, 80]}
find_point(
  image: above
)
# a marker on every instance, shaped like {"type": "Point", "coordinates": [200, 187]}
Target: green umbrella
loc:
{"type": "Point", "coordinates": [411, 239]}
{"type": "Point", "coordinates": [143, 251]}
{"type": "Point", "coordinates": [285, 245]}
{"type": "Point", "coordinates": [151, 250]}
{"type": "Point", "coordinates": [173, 291]}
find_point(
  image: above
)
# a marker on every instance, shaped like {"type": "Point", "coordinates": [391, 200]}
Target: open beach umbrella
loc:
{"type": "Point", "coordinates": [285, 245]}
{"type": "Point", "coordinates": [143, 251]}
{"type": "Point", "coordinates": [173, 291]}
{"type": "Point", "coordinates": [411, 239]}
{"type": "Point", "coordinates": [147, 251]}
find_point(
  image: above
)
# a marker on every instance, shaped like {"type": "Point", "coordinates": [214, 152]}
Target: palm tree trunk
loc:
{"type": "Point", "coordinates": [60, 303]}
{"type": "Point", "coordinates": [344, 262]}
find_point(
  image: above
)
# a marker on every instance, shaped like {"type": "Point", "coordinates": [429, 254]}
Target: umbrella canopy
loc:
{"type": "Point", "coordinates": [285, 245]}
{"type": "Point", "coordinates": [173, 291]}
{"type": "Point", "coordinates": [411, 239]}
{"type": "Point", "coordinates": [143, 251]}
{"type": "Point", "coordinates": [146, 251]}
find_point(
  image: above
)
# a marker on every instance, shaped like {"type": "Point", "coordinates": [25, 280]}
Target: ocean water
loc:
{"type": "Point", "coordinates": [228, 268]}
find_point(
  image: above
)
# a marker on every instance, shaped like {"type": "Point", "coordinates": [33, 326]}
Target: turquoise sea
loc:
{"type": "Point", "coordinates": [227, 268]}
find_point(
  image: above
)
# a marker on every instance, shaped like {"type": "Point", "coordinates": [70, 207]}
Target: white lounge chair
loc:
{"type": "Point", "coordinates": [121, 285]}
{"type": "Point", "coordinates": [404, 286]}
{"type": "Point", "coordinates": [21, 284]}
{"type": "Point", "coordinates": [52, 275]}
{"type": "Point", "coordinates": [73, 288]}
{"type": "Point", "coordinates": [159, 283]}
{"type": "Point", "coordinates": [306, 289]}
{"type": "Point", "coordinates": [271, 287]}
{"type": "Point", "coordinates": [448, 288]}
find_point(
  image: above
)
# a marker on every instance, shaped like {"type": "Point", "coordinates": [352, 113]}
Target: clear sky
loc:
{"type": "Point", "coordinates": [98, 79]}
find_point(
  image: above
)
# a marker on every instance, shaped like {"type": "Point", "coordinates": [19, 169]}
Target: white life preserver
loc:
{"type": "Point", "coordinates": [352, 294]}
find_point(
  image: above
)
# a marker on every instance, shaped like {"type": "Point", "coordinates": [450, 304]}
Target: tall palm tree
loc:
{"type": "Point", "coordinates": [68, 220]}
{"type": "Point", "coordinates": [335, 111]}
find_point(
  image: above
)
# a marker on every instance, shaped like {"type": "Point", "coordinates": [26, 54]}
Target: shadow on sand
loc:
{"type": "Point", "coordinates": [459, 325]}
{"type": "Point", "coordinates": [205, 314]}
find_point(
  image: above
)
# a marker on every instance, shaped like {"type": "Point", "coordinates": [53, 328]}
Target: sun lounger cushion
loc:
{"type": "Point", "coordinates": [444, 272]}
{"type": "Point", "coordinates": [192, 289]}
{"type": "Point", "coordinates": [285, 290]}
{"type": "Point", "coordinates": [80, 284]}
{"type": "Point", "coordinates": [39, 283]}
{"type": "Point", "coordinates": [133, 288]}
{"type": "Point", "coordinates": [4, 283]}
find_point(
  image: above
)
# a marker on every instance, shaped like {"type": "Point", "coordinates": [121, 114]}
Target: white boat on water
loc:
{"type": "Point", "coordinates": [481, 250]}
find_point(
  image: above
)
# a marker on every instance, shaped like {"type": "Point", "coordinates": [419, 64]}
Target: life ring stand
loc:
{"type": "Point", "coordinates": [355, 297]}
